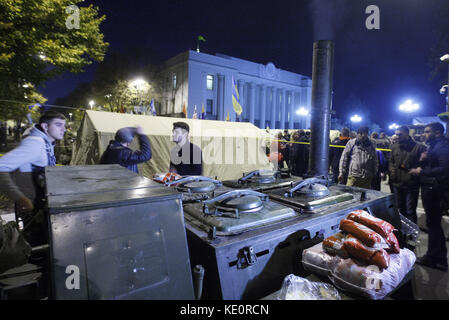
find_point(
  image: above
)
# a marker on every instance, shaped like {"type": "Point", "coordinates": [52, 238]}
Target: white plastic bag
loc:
{"type": "Point", "coordinates": [316, 260]}
{"type": "Point", "coordinates": [370, 281]}
{"type": "Point", "coordinates": [297, 288]}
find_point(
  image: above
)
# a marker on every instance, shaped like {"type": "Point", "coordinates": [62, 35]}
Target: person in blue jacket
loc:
{"type": "Point", "coordinates": [118, 151]}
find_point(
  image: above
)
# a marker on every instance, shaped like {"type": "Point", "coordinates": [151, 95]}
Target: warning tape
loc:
{"type": "Point", "coordinates": [331, 145]}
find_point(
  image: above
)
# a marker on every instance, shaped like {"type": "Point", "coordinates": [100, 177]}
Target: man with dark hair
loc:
{"type": "Point", "coordinates": [358, 162]}
{"type": "Point", "coordinates": [185, 157]}
{"type": "Point", "coordinates": [118, 150]}
{"type": "Point", "coordinates": [27, 162]}
{"type": "Point", "coordinates": [405, 156]}
{"type": "Point", "coordinates": [336, 152]}
{"type": "Point", "coordinates": [433, 172]}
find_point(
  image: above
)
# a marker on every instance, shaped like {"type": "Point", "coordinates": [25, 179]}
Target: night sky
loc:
{"type": "Point", "coordinates": [381, 68]}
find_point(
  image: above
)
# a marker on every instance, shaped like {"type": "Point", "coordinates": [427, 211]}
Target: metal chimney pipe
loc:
{"type": "Point", "coordinates": [322, 75]}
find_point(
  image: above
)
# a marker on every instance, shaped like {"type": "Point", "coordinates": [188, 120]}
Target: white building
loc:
{"type": "Point", "coordinates": [269, 96]}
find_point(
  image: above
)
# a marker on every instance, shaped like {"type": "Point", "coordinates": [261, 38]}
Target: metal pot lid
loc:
{"type": "Point", "coordinates": [244, 203]}
{"type": "Point", "coordinates": [265, 179]}
{"type": "Point", "coordinates": [313, 190]}
{"type": "Point", "coordinates": [197, 187]}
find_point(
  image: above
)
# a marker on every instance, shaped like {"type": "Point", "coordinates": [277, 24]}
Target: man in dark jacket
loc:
{"type": "Point", "coordinates": [404, 156]}
{"type": "Point", "coordinates": [297, 153]}
{"type": "Point", "coordinates": [335, 153]}
{"type": "Point", "coordinates": [118, 151]}
{"type": "Point", "coordinates": [434, 177]}
{"type": "Point", "coordinates": [186, 158]}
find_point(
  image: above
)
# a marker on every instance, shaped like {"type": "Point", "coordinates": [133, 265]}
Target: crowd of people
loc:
{"type": "Point", "coordinates": [356, 159]}
{"type": "Point", "coordinates": [411, 165]}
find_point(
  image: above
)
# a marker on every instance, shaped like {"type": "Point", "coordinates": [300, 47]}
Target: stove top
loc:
{"type": "Point", "coordinates": [260, 180]}
{"type": "Point", "coordinates": [236, 211]}
{"type": "Point", "coordinates": [197, 188]}
{"type": "Point", "coordinates": [314, 195]}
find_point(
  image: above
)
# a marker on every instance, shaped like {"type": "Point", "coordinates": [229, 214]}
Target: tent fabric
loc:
{"type": "Point", "coordinates": [229, 148]}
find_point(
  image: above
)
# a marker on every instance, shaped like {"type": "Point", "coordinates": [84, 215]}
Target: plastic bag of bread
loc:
{"type": "Point", "coordinates": [380, 226]}
{"type": "Point", "coordinates": [297, 288]}
{"type": "Point", "coordinates": [357, 250]}
{"type": "Point", "coordinates": [369, 281]}
{"type": "Point", "coordinates": [334, 245]}
{"type": "Point", "coordinates": [316, 260]}
{"type": "Point", "coordinates": [366, 235]}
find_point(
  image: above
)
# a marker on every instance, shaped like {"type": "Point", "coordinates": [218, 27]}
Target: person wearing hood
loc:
{"type": "Point", "coordinates": [405, 156]}
{"type": "Point", "coordinates": [359, 162]}
{"type": "Point", "coordinates": [335, 152]}
{"type": "Point", "coordinates": [118, 151]}
{"type": "Point", "coordinates": [22, 173]}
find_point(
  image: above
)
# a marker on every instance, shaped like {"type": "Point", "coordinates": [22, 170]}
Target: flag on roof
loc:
{"type": "Point", "coordinates": [195, 114]}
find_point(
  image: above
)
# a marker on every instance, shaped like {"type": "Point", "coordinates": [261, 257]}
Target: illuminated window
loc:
{"type": "Point", "coordinates": [210, 82]}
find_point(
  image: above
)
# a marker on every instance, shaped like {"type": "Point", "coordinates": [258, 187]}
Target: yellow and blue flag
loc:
{"type": "Point", "coordinates": [152, 108]}
{"type": "Point", "coordinates": [236, 98]}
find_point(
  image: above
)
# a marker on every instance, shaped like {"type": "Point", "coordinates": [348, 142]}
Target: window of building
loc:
{"type": "Point", "coordinates": [209, 106]}
{"type": "Point", "coordinates": [210, 82]}
{"type": "Point", "coordinates": [174, 80]}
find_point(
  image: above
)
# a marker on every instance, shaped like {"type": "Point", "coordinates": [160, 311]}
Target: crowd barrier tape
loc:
{"type": "Point", "coordinates": [331, 145]}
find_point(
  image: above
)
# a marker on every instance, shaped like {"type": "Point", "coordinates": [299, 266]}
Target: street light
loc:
{"type": "Point", "coordinates": [393, 126]}
{"type": "Point", "coordinates": [70, 115]}
{"type": "Point", "coordinates": [408, 106]}
{"type": "Point", "coordinates": [302, 111]}
{"type": "Point", "coordinates": [91, 103]}
{"type": "Point", "coordinates": [139, 84]}
{"type": "Point", "coordinates": [446, 58]}
{"type": "Point", "coordinates": [356, 118]}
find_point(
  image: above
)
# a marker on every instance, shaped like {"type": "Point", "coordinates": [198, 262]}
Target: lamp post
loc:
{"type": "Point", "coordinates": [355, 119]}
{"type": "Point", "coordinates": [70, 116]}
{"type": "Point", "coordinates": [139, 85]}
{"type": "Point", "coordinates": [393, 126]}
{"type": "Point", "coordinates": [302, 112]}
{"type": "Point", "coordinates": [408, 107]}
{"type": "Point", "coordinates": [446, 58]}
{"type": "Point", "coordinates": [91, 104]}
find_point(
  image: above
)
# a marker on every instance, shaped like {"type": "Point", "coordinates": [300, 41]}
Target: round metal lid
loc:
{"type": "Point", "coordinates": [263, 179]}
{"type": "Point", "coordinates": [244, 203]}
{"type": "Point", "coordinates": [313, 190]}
{"type": "Point", "coordinates": [197, 187]}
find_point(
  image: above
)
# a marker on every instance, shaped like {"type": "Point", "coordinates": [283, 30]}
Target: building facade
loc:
{"type": "Point", "coordinates": [270, 97]}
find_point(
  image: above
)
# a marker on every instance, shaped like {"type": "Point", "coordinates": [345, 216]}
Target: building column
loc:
{"type": "Point", "coordinates": [291, 123]}
{"type": "Point", "coordinates": [273, 108]}
{"type": "Point", "coordinates": [263, 105]}
{"type": "Point", "coordinates": [220, 97]}
{"type": "Point", "coordinates": [252, 103]}
{"type": "Point", "coordinates": [283, 108]}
